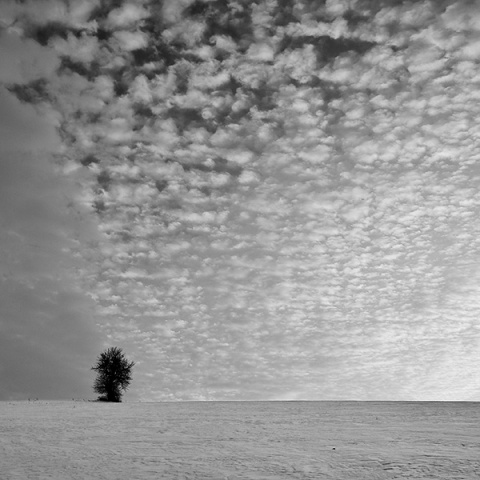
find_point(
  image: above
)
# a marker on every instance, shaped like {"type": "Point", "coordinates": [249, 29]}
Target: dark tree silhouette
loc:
{"type": "Point", "coordinates": [114, 374]}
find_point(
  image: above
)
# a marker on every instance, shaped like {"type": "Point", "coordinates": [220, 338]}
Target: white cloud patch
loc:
{"type": "Point", "coordinates": [127, 15]}
{"type": "Point", "coordinates": [83, 49]}
{"type": "Point", "coordinates": [131, 40]}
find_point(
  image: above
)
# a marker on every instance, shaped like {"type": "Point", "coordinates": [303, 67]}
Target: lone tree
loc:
{"type": "Point", "coordinates": [114, 374]}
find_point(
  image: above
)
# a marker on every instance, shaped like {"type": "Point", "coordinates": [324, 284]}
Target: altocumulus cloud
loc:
{"type": "Point", "coordinates": [285, 193]}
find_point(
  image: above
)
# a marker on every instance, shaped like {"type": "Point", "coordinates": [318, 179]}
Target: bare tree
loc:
{"type": "Point", "coordinates": [114, 374]}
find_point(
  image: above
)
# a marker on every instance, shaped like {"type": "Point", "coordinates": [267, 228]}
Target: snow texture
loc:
{"type": "Point", "coordinates": [239, 440]}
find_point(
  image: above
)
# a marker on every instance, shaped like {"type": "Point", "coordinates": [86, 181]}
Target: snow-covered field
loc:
{"type": "Point", "coordinates": [239, 440]}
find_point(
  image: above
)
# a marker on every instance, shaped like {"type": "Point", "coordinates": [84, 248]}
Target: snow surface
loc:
{"type": "Point", "coordinates": [239, 440]}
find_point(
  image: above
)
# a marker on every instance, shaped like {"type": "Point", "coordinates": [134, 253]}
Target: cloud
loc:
{"type": "Point", "coordinates": [287, 196]}
{"type": "Point", "coordinates": [127, 15]}
{"type": "Point", "coordinates": [26, 59]}
{"type": "Point", "coordinates": [173, 10]}
{"type": "Point", "coordinates": [83, 49]}
{"type": "Point", "coordinates": [131, 40]}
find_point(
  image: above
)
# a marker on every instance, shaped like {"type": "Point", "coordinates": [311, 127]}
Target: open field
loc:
{"type": "Point", "coordinates": [239, 440]}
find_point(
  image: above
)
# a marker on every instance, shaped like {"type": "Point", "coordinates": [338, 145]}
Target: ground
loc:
{"type": "Point", "coordinates": [239, 440]}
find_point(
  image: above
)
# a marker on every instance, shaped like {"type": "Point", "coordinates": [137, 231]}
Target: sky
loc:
{"type": "Point", "coordinates": [255, 200]}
